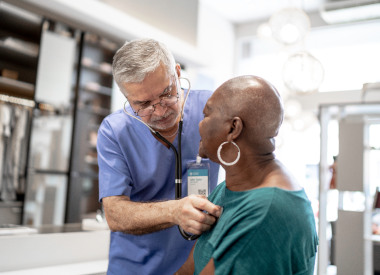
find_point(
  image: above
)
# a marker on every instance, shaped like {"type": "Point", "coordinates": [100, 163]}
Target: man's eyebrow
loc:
{"type": "Point", "coordinates": [138, 102]}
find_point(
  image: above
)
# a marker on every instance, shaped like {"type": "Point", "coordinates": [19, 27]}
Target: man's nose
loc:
{"type": "Point", "coordinates": [159, 109]}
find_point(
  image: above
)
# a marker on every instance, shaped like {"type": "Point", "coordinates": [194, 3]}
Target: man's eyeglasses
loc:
{"type": "Point", "coordinates": [168, 98]}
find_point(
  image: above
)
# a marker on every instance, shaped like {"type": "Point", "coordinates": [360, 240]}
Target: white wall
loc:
{"type": "Point", "coordinates": [216, 41]}
{"type": "Point", "coordinates": [176, 17]}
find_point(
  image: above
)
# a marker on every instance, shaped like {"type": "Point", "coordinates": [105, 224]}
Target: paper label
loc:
{"type": "Point", "coordinates": [197, 182]}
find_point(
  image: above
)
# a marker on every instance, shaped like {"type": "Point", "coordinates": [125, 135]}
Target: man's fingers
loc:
{"type": "Point", "coordinates": [202, 203]}
{"type": "Point", "coordinates": [196, 228]}
{"type": "Point", "coordinates": [198, 214]}
{"type": "Point", "coordinates": [205, 218]}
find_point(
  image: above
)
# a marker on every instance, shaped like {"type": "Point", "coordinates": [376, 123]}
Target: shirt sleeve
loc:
{"type": "Point", "coordinates": [114, 175]}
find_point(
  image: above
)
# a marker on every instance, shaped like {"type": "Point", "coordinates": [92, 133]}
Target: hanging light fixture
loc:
{"type": "Point", "coordinates": [303, 73]}
{"type": "Point", "coordinates": [289, 25]}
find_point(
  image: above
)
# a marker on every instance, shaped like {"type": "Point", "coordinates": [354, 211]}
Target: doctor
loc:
{"type": "Point", "coordinates": [136, 169]}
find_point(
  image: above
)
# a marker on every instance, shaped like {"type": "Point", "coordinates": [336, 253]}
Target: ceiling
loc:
{"type": "Point", "coordinates": [241, 11]}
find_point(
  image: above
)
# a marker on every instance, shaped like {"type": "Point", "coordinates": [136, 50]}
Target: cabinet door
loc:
{"type": "Point", "coordinates": [56, 70]}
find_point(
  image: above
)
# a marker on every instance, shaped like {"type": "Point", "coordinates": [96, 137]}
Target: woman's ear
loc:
{"type": "Point", "coordinates": [236, 128]}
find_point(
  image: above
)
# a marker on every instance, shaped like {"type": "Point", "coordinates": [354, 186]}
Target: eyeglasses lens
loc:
{"type": "Point", "coordinates": [165, 102]}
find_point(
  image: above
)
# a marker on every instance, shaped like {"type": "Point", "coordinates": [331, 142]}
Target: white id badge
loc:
{"type": "Point", "coordinates": [198, 177]}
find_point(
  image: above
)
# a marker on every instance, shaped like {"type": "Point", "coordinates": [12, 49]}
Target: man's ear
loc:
{"type": "Point", "coordinates": [236, 128]}
{"type": "Point", "coordinates": [178, 69]}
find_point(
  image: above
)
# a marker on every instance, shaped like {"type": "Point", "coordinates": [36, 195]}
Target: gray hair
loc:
{"type": "Point", "coordinates": [135, 59]}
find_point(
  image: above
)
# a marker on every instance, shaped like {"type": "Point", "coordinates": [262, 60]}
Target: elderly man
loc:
{"type": "Point", "coordinates": [136, 176]}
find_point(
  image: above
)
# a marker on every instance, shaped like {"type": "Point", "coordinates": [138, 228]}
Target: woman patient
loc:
{"type": "Point", "coordinates": [267, 224]}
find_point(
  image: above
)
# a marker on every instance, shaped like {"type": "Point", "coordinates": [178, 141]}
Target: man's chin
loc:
{"type": "Point", "coordinates": [164, 124]}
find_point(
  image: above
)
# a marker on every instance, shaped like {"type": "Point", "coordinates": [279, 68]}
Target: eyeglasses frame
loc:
{"type": "Point", "coordinates": [154, 105]}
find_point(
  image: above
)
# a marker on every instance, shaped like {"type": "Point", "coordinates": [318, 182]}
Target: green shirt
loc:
{"type": "Point", "coordinates": [261, 231]}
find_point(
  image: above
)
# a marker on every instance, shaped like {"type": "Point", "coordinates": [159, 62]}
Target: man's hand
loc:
{"type": "Point", "coordinates": [195, 214]}
{"type": "Point", "coordinates": [146, 217]}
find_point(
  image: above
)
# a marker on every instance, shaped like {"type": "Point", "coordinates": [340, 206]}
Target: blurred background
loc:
{"type": "Point", "coordinates": [56, 87]}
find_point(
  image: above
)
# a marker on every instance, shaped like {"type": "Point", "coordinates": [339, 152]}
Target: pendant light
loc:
{"type": "Point", "coordinates": [302, 73]}
{"type": "Point", "coordinates": [289, 25]}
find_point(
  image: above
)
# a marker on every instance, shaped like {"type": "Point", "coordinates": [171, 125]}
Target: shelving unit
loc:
{"type": "Point", "coordinates": [61, 173]}
{"type": "Point", "coordinates": [355, 248]}
{"type": "Point", "coordinates": [20, 34]}
{"type": "Point", "coordinates": [93, 103]}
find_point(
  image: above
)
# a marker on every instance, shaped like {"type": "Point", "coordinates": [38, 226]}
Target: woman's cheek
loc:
{"type": "Point", "coordinates": [202, 128]}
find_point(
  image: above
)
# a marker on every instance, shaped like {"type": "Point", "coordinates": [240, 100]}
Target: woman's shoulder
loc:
{"type": "Point", "coordinates": [274, 199]}
{"type": "Point", "coordinates": [281, 178]}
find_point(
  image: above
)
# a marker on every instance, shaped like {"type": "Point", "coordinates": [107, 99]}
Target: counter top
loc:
{"type": "Point", "coordinates": [86, 225]}
{"type": "Point", "coordinates": [89, 268]}
{"type": "Point", "coordinates": [54, 246]}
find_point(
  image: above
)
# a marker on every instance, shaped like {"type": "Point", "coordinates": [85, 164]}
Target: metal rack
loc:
{"type": "Point", "coordinates": [353, 237]}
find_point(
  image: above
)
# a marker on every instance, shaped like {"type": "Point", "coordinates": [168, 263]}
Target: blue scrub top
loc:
{"type": "Point", "coordinates": [133, 163]}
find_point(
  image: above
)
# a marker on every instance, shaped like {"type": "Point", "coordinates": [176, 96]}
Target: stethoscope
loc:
{"type": "Point", "coordinates": [177, 153]}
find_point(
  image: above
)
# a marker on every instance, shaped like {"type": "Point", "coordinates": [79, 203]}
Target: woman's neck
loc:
{"type": "Point", "coordinates": [249, 174]}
